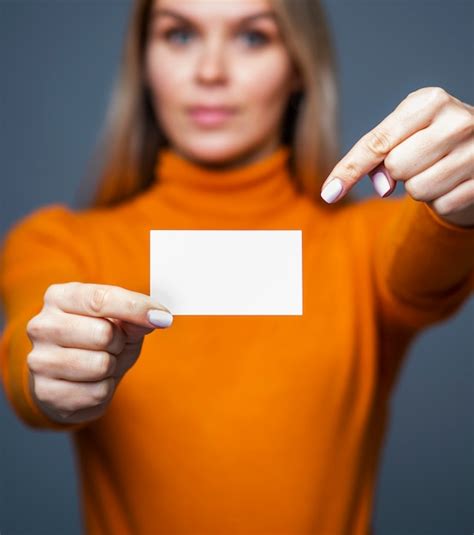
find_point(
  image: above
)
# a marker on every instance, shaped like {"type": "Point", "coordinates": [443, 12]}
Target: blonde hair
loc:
{"type": "Point", "coordinates": [124, 160]}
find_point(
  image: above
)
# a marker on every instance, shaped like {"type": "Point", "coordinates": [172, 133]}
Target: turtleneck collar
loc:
{"type": "Point", "coordinates": [256, 189]}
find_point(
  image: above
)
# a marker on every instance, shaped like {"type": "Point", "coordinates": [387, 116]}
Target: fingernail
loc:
{"type": "Point", "coordinates": [332, 190]}
{"type": "Point", "coordinates": [160, 318]}
{"type": "Point", "coordinates": [381, 182]}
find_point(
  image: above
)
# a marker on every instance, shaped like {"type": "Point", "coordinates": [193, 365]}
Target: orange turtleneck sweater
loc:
{"type": "Point", "coordinates": [242, 424]}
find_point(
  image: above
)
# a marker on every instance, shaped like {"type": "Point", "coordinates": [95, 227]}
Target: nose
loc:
{"type": "Point", "coordinates": [211, 65]}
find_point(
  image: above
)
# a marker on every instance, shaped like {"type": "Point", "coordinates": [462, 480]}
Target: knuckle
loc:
{"type": "Point", "coordinates": [102, 391]}
{"type": "Point", "coordinates": [74, 286]}
{"type": "Point", "coordinates": [35, 362]}
{"type": "Point", "coordinates": [414, 190]}
{"type": "Point", "coordinates": [103, 364]}
{"type": "Point", "coordinates": [427, 96]}
{"type": "Point", "coordinates": [44, 327]}
{"type": "Point", "coordinates": [437, 95]}
{"type": "Point", "coordinates": [379, 142]}
{"type": "Point", "coordinates": [76, 401]}
{"type": "Point", "coordinates": [442, 206]}
{"type": "Point", "coordinates": [391, 165]}
{"type": "Point", "coordinates": [351, 170]}
{"type": "Point", "coordinates": [51, 293]}
{"type": "Point", "coordinates": [103, 334]}
{"type": "Point", "coordinates": [51, 328]}
{"type": "Point", "coordinates": [96, 299]}
{"type": "Point", "coordinates": [44, 392]}
{"type": "Point", "coordinates": [133, 305]}
{"type": "Point", "coordinates": [464, 121]}
{"type": "Point", "coordinates": [34, 327]}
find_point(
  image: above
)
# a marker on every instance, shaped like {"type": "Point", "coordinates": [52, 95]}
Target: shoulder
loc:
{"type": "Point", "coordinates": [45, 217]}
{"type": "Point", "coordinates": [58, 220]}
{"type": "Point", "coordinates": [49, 220]}
{"type": "Point", "coordinates": [52, 239]}
{"type": "Point", "coordinates": [49, 229]}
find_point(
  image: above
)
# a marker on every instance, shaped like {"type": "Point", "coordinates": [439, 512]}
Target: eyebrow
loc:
{"type": "Point", "coordinates": [163, 11]}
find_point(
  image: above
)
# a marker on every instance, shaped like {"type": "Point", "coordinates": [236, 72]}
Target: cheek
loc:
{"type": "Point", "coordinates": [164, 76]}
{"type": "Point", "coordinates": [266, 82]}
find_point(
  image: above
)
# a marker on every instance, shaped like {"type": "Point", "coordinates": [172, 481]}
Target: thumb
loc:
{"type": "Point", "coordinates": [383, 183]}
{"type": "Point", "coordinates": [134, 332]}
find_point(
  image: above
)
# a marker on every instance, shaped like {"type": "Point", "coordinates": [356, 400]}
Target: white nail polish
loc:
{"type": "Point", "coordinates": [332, 190]}
{"type": "Point", "coordinates": [160, 318]}
{"type": "Point", "coordinates": [381, 183]}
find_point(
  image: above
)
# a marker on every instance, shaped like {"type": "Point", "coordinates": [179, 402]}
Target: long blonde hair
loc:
{"type": "Point", "coordinates": [125, 155]}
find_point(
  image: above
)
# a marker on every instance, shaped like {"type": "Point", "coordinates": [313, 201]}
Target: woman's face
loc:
{"type": "Point", "coordinates": [220, 77]}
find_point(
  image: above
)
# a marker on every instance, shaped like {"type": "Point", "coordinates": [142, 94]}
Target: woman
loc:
{"type": "Point", "coordinates": [225, 117]}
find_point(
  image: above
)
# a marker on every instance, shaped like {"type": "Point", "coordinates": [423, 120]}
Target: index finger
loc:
{"type": "Point", "coordinates": [103, 301]}
{"type": "Point", "coordinates": [370, 151]}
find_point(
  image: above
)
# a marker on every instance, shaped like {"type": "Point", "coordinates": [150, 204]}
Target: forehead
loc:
{"type": "Point", "coordinates": [223, 9]}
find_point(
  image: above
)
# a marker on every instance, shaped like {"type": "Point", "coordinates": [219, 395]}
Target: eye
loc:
{"type": "Point", "coordinates": [254, 38]}
{"type": "Point", "coordinates": [179, 36]}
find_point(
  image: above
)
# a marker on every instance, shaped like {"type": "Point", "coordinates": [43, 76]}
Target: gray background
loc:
{"type": "Point", "coordinates": [58, 59]}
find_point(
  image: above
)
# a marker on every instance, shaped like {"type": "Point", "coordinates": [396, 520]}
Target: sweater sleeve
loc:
{"type": "Point", "coordinates": [423, 266]}
{"type": "Point", "coordinates": [39, 250]}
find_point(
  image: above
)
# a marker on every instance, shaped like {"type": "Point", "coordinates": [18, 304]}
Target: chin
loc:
{"type": "Point", "coordinates": [220, 153]}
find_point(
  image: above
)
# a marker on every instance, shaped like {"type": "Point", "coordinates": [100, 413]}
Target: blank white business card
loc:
{"type": "Point", "coordinates": [227, 272]}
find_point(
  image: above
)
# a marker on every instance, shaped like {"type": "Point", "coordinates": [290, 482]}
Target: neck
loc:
{"type": "Point", "coordinates": [240, 192]}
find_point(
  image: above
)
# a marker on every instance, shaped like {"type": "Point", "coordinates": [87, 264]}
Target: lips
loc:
{"type": "Point", "coordinates": [210, 115]}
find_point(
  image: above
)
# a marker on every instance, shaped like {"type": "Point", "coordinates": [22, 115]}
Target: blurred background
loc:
{"type": "Point", "coordinates": [58, 61]}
